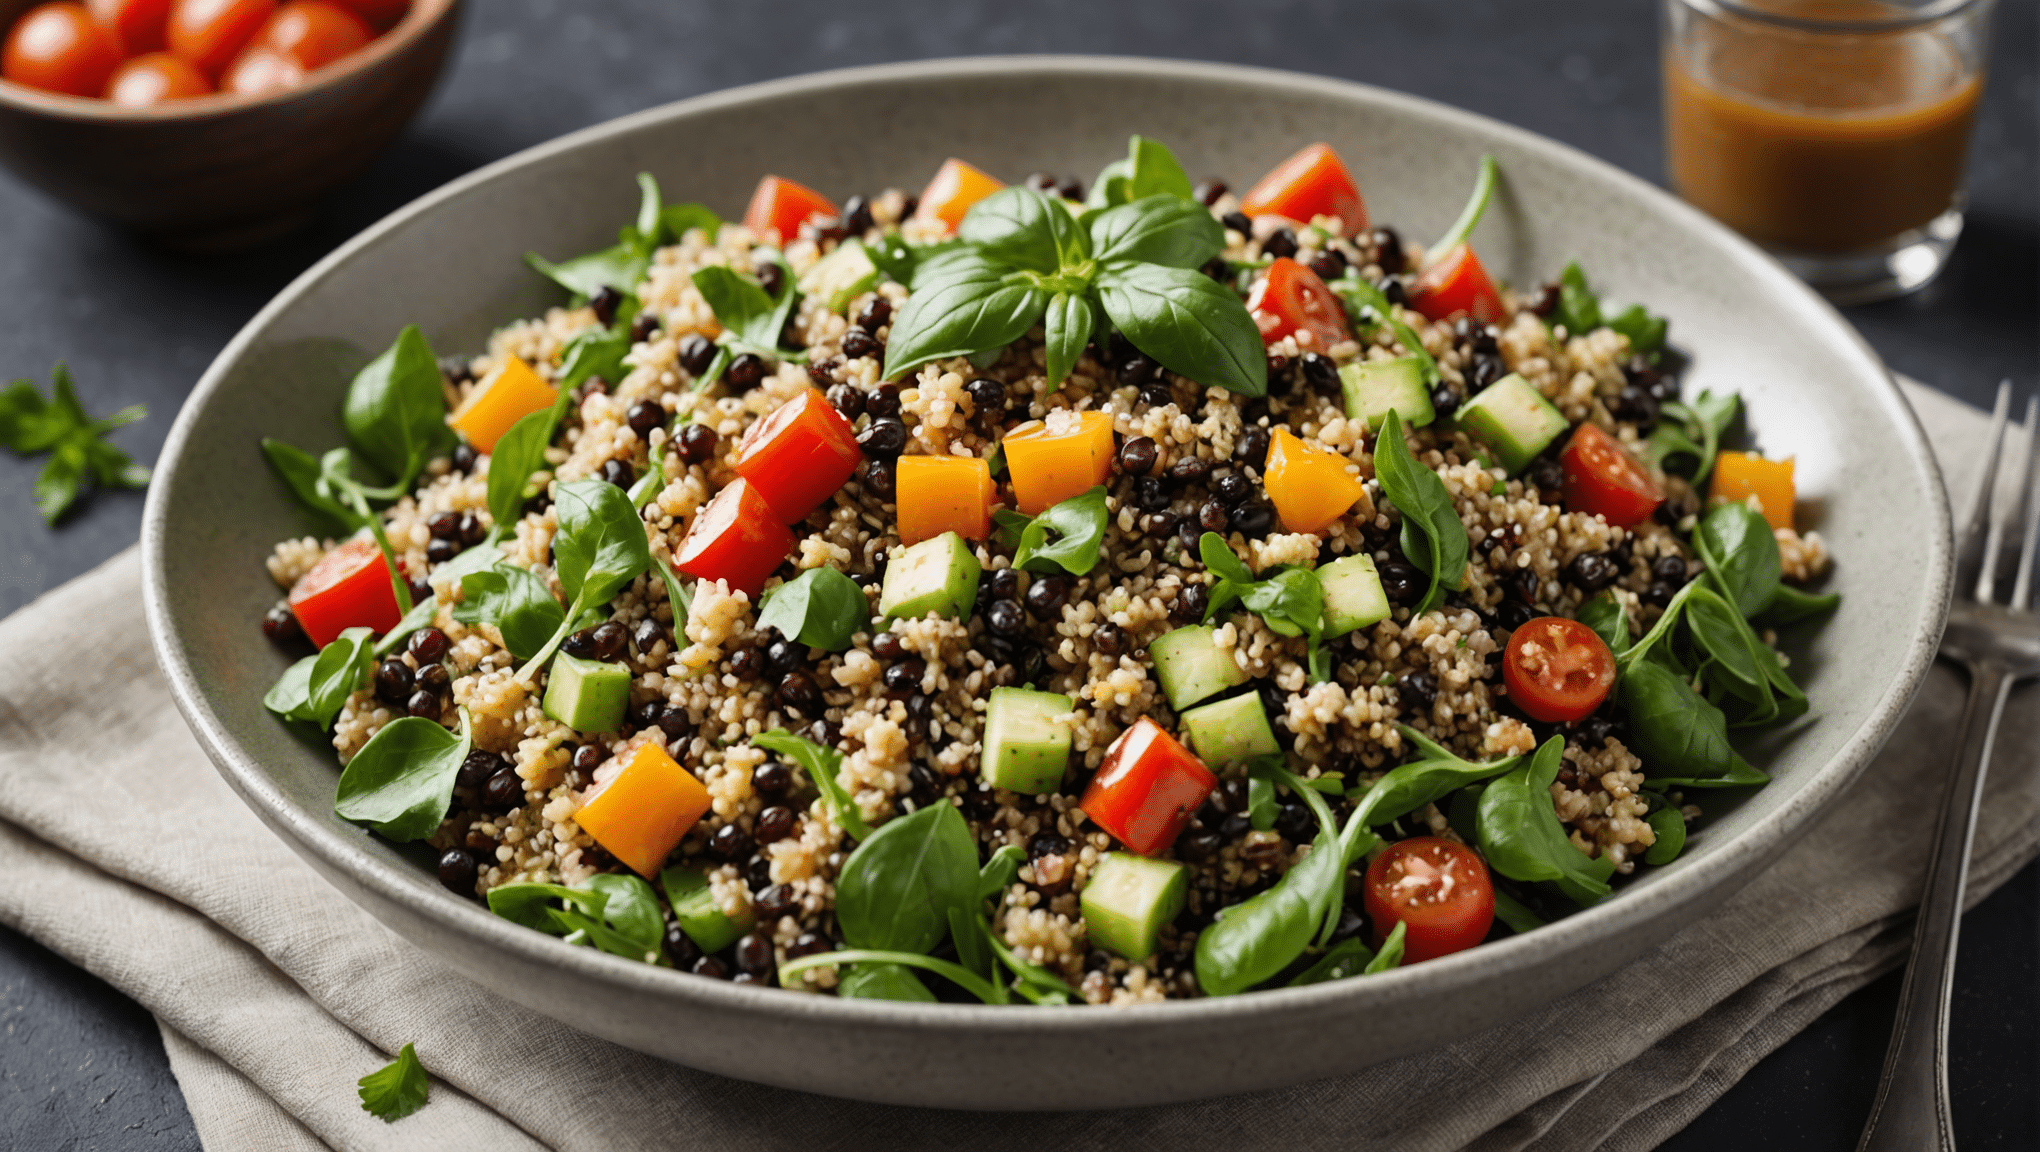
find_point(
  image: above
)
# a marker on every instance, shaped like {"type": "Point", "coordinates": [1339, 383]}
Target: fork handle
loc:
{"type": "Point", "coordinates": [1911, 1113]}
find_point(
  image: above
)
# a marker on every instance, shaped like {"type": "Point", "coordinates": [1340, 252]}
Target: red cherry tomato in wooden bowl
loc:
{"type": "Point", "coordinates": [1292, 299]}
{"type": "Point", "coordinates": [153, 78]}
{"type": "Point", "coordinates": [1439, 889]}
{"type": "Point", "coordinates": [60, 48]}
{"type": "Point", "coordinates": [1603, 479]}
{"type": "Point", "coordinates": [210, 33]}
{"type": "Point", "coordinates": [1557, 669]}
{"type": "Point", "coordinates": [313, 34]}
{"type": "Point", "coordinates": [135, 25]}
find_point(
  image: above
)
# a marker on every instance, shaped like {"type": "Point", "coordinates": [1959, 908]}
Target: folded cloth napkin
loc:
{"type": "Point", "coordinates": [129, 855]}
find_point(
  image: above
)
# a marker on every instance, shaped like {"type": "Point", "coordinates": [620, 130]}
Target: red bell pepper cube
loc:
{"type": "Point", "coordinates": [783, 206]}
{"type": "Point", "coordinates": [799, 455]}
{"type": "Point", "coordinates": [348, 588]}
{"type": "Point", "coordinates": [1147, 789]}
{"type": "Point", "coordinates": [1457, 285]}
{"type": "Point", "coordinates": [736, 538]}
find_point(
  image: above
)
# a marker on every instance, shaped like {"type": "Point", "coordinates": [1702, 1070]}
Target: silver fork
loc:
{"type": "Point", "coordinates": [1999, 643]}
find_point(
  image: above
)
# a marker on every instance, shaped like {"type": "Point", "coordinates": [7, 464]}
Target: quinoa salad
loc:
{"type": "Point", "coordinates": [1041, 594]}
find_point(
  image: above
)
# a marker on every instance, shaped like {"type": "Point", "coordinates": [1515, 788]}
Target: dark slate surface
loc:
{"type": "Point", "coordinates": [81, 1066]}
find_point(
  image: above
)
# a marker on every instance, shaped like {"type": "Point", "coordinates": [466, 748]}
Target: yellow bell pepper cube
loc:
{"type": "Point", "coordinates": [1052, 460]}
{"type": "Point", "coordinates": [509, 394]}
{"type": "Point", "coordinates": [1739, 476]}
{"type": "Point", "coordinates": [937, 494]}
{"type": "Point", "coordinates": [1308, 485]}
{"type": "Point", "coordinates": [954, 189]}
{"type": "Point", "coordinates": [640, 814]}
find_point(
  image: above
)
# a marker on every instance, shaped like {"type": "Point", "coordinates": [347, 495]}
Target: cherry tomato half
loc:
{"type": "Point", "coordinates": [1439, 889]}
{"type": "Point", "coordinates": [1557, 669]}
{"type": "Point", "coordinates": [153, 78]}
{"type": "Point", "coordinates": [1457, 285]}
{"type": "Point", "coordinates": [348, 588]}
{"type": "Point", "coordinates": [737, 538]}
{"type": "Point", "coordinates": [1147, 788]}
{"type": "Point", "coordinates": [1312, 183]}
{"type": "Point", "coordinates": [799, 455]}
{"type": "Point", "coordinates": [60, 48]}
{"type": "Point", "coordinates": [1291, 299]}
{"type": "Point", "coordinates": [210, 33]}
{"type": "Point", "coordinates": [784, 206]}
{"type": "Point", "coordinates": [135, 25]}
{"type": "Point", "coordinates": [1603, 479]}
{"type": "Point", "coordinates": [313, 34]}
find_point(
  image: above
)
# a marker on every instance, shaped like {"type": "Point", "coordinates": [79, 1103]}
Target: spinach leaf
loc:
{"type": "Point", "coordinates": [1066, 537]}
{"type": "Point", "coordinates": [882, 982]}
{"type": "Point", "coordinates": [301, 472]}
{"type": "Point", "coordinates": [966, 304]}
{"type": "Point", "coordinates": [1000, 871]}
{"type": "Point", "coordinates": [518, 453]}
{"type": "Point", "coordinates": [584, 276]}
{"type": "Point", "coordinates": [1681, 737]}
{"type": "Point", "coordinates": [1361, 296]}
{"type": "Point", "coordinates": [594, 351]}
{"type": "Point", "coordinates": [821, 608]}
{"type": "Point", "coordinates": [1408, 787]}
{"type": "Point", "coordinates": [1173, 231]}
{"type": "Point", "coordinates": [1578, 308]}
{"type": "Point", "coordinates": [679, 219]}
{"type": "Point", "coordinates": [396, 408]}
{"type": "Point", "coordinates": [1349, 957]}
{"type": "Point", "coordinates": [1735, 658]}
{"type": "Point", "coordinates": [1741, 555]}
{"type": "Point", "coordinates": [1669, 825]}
{"type": "Point", "coordinates": [742, 307]}
{"type": "Point", "coordinates": [1391, 954]}
{"type": "Point", "coordinates": [1067, 329]}
{"type": "Point", "coordinates": [1691, 431]}
{"type": "Point", "coordinates": [1432, 536]}
{"type": "Point", "coordinates": [957, 974]}
{"type": "Point", "coordinates": [1257, 938]}
{"type": "Point", "coordinates": [1515, 914]}
{"type": "Point", "coordinates": [290, 696]}
{"type": "Point", "coordinates": [515, 600]}
{"type": "Point", "coordinates": [341, 667]}
{"type": "Point", "coordinates": [896, 889]}
{"type": "Point", "coordinates": [1521, 837]}
{"type": "Point", "coordinates": [401, 782]}
{"type": "Point", "coordinates": [622, 265]}
{"type": "Point", "coordinates": [823, 765]}
{"type": "Point", "coordinates": [1789, 606]}
{"type": "Point", "coordinates": [1646, 332]}
{"type": "Point", "coordinates": [599, 549]}
{"type": "Point", "coordinates": [1291, 602]}
{"type": "Point", "coordinates": [1023, 228]}
{"type": "Point", "coordinates": [528, 904]}
{"type": "Point", "coordinates": [1609, 620]}
{"type": "Point", "coordinates": [630, 909]}
{"type": "Point", "coordinates": [1010, 526]}
{"type": "Point", "coordinates": [1185, 322]}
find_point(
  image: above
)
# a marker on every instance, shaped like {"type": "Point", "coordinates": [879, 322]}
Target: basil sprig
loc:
{"type": "Point", "coordinates": [401, 781]}
{"type": "Point", "coordinates": [599, 549]}
{"type": "Point", "coordinates": [1149, 169]}
{"type": "Point", "coordinates": [1024, 260]}
{"type": "Point", "coordinates": [1291, 601]}
{"type": "Point", "coordinates": [752, 320]}
{"type": "Point", "coordinates": [1064, 538]}
{"type": "Point", "coordinates": [60, 426]}
{"type": "Point", "coordinates": [821, 608]}
{"type": "Point", "coordinates": [622, 265]}
{"type": "Point", "coordinates": [1580, 311]}
{"type": "Point", "coordinates": [1432, 536]}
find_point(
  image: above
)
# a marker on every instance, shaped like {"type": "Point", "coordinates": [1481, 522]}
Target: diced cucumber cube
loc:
{"type": "Point", "coordinates": [1373, 387]}
{"type": "Point", "coordinates": [1191, 666]}
{"type": "Point", "coordinates": [1353, 594]}
{"type": "Point", "coordinates": [1233, 729]}
{"type": "Point", "coordinates": [841, 276]}
{"type": "Point", "coordinates": [1026, 747]}
{"type": "Point", "coordinates": [695, 909]}
{"type": "Point", "coordinates": [1510, 417]}
{"type": "Point", "coordinates": [939, 575]}
{"type": "Point", "coordinates": [587, 695]}
{"type": "Point", "coordinates": [1128, 899]}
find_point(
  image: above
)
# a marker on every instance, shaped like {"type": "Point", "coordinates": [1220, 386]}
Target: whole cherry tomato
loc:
{"type": "Point", "coordinates": [1603, 479]}
{"type": "Point", "coordinates": [136, 25]}
{"type": "Point", "coordinates": [1557, 669]}
{"type": "Point", "coordinates": [259, 70]}
{"type": "Point", "coordinates": [313, 33]}
{"type": "Point", "coordinates": [153, 78]}
{"type": "Point", "coordinates": [210, 33]}
{"type": "Point", "coordinates": [1439, 889]}
{"type": "Point", "coordinates": [60, 48]}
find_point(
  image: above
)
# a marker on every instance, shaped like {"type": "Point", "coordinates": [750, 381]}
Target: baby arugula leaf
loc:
{"type": "Point", "coordinates": [1433, 537]}
{"type": "Point", "coordinates": [1291, 601]}
{"type": "Point", "coordinates": [396, 1089]}
{"type": "Point", "coordinates": [1066, 537]}
{"type": "Point", "coordinates": [821, 608]}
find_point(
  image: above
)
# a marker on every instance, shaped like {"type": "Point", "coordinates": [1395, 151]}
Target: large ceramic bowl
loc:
{"type": "Point", "coordinates": [451, 263]}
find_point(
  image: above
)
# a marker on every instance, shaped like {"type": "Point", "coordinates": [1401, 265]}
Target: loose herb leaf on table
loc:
{"type": "Point", "coordinates": [30, 424]}
{"type": "Point", "coordinates": [1433, 537]}
{"type": "Point", "coordinates": [396, 1089]}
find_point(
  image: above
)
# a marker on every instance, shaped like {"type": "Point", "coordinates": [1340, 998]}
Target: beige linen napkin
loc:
{"type": "Point", "coordinates": [128, 854]}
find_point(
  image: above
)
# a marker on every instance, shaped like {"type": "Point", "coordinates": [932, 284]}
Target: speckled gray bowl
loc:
{"type": "Point", "coordinates": [451, 263]}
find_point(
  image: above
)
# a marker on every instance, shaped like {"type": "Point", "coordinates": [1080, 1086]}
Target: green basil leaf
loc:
{"type": "Point", "coordinates": [56, 486]}
{"type": "Point", "coordinates": [1670, 827]}
{"type": "Point", "coordinates": [1522, 838]}
{"type": "Point", "coordinates": [1000, 871]}
{"type": "Point", "coordinates": [1741, 554]}
{"type": "Point", "coordinates": [1515, 914]}
{"type": "Point", "coordinates": [519, 453]}
{"type": "Point", "coordinates": [28, 423]}
{"type": "Point", "coordinates": [821, 608]}
{"type": "Point", "coordinates": [896, 889]}
{"type": "Point", "coordinates": [823, 765]}
{"type": "Point", "coordinates": [1433, 537]}
{"type": "Point", "coordinates": [594, 352]}
{"type": "Point", "coordinates": [1609, 620]}
{"type": "Point", "coordinates": [527, 904]}
{"type": "Point", "coordinates": [1179, 233]}
{"type": "Point", "coordinates": [1065, 537]}
{"type": "Point", "coordinates": [1578, 309]}
{"type": "Point", "coordinates": [113, 468]}
{"type": "Point", "coordinates": [1010, 526]}
{"type": "Point", "coordinates": [1681, 738]}
{"type": "Point", "coordinates": [396, 407]}
{"type": "Point", "coordinates": [401, 782]}
{"type": "Point", "coordinates": [341, 668]}
{"type": "Point", "coordinates": [1391, 954]}
{"type": "Point", "coordinates": [600, 546]}
{"type": "Point", "coordinates": [1219, 559]}
{"type": "Point", "coordinates": [1113, 185]}
{"type": "Point", "coordinates": [1152, 170]}
{"type": "Point", "coordinates": [301, 473]}
{"type": "Point", "coordinates": [515, 600]}
{"type": "Point", "coordinates": [1023, 228]}
{"type": "Point", "coordinates": [290, 697]}
{"type": "Point", "coordinates": [739, 304]}
{"type": "Point", "coordinates": [1349, 957]}
{"type": "Point", "coordinates": [1068, 322]}
{"type": "Point", "coordinates": [969, 307]}
{"type": "Point", "coordinates": [1185, 322]}
{"type": "Point", "coordinates": [1361, 297]}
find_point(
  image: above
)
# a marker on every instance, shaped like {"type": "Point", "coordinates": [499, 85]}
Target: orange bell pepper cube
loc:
{"type": "Point", "coordinates": [640, 814]}
{"type": "Point", "coordinates": [1312, 183]}
{"type": "Point", "coordinates": [509, 394]}
{"type": "Point", "coordinates": [1457, 285]}
{"type": "Point", "coordinates": [1051, 460]}
{"type": "Point", "coordinates": [954, 189]}
{"type": "Point", "coordinates": [348, 588]}
{"type": "Point", "coordinates": [799, 455]}
{"type": "Point", "coordinates": [937, 494]}
{"type": "Point", "coordinates": [779, 205]}
{"type": "Point", "coordinates": [1739, 476]}
{"type": "Point", "coordinates": [1308, 485]}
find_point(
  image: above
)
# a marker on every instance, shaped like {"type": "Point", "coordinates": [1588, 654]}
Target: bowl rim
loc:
{"type": "Point", "coordinates": [314, 835]}
{"type": "Point", "coordinates": [418, 21]}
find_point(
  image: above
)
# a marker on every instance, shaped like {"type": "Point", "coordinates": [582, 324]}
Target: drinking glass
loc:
{"type": "Point", "coordinates": [1831, 132]}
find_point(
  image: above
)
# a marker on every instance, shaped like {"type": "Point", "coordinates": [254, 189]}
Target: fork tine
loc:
{"type": "Point", "coordinates": [2022, 587]}
{"type": "Point", "coordinates": [1971, 576]}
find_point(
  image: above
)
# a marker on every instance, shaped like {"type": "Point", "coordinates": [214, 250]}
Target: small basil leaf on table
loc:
{"type": "Point", "coordinates": [823, 766]}
{"type": "Point", "coordinates": [1185, 322]}
{"type": "Point", "coordinates": [1023, 228]}
{"type": "Point", "coordinates": [401, 781]}
{"type": "Point", "coordinates": [1669, 825]}
{"type": "Point", "coordinates": [896, 889]}
{"type": "Point", "coordinates": [396, 407]}
{"type": "Point", "coordinates": [1521, 836]}
{"type": "Point", "coordinates": [1609, 620]}
{"type": "Point", "coordinates": [301, 472]}
{"type": "Point", "coordinates": [341, 667]}
{"type": "Point", "coordinates": [56, 486]}
{"type": "Point", "coordinates": [1067, 326]}
{"type": "Point", "coordinates": [515, 600]}
{"type": "Point", "coordinates": [1678, 734]}
{"type": "Point", "coordinates": [963, 304]}
{"type": "Point", "coordinates": [1066, 537]}
{"type": "Point", "coordinates": [1433, 537]}
{"type": "Point", "coordinates": [821, 608]}
{"type": "Point", "coordinates": [111, 467]}
{"type": "Point", "coordinates": [1741, 555]}
{"type": "Point", "coordinates": [1167, 230]}
{"type": "Point", "coordinates": [1391, 953]}
{"type": "Point", "coordinates": [1349, 957]}
{"type": "Point", "coordinates": [528, 904]}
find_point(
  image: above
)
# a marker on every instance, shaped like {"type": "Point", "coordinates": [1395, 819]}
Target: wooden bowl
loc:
{"type": "Point", "coordinates": [224, 171]}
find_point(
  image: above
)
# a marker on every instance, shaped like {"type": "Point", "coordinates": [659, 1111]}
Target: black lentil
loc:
{"type": "Point", "coordinates": [457, 871]}
{"type": "Point", "coordinates": [464, 458]}
{"type": "Point", "coordinates": [772, 779]}
{"type": "Point", "coordinates": [1238, 222]}
{"type": "Point", "coordinates": [618, 472]}
{"type": "Point", "coordinates": [505, 789]}
{"type": "Point", "coordinates": [697, 352]}
{"type": "Point", "coordinates": [884, 438]}
{"type": "Point", "coordinates": [729, 842]}
{"type": "Point", "coordinates": [478, 767]}
{"type": "Point", "coordinates": [798, 692]}
{"type": "Point", "coordinates": [1401, 581]}
{"type": "Point", "coordinates": [905, 676]}
{"type": "Point", "coordinates": [1388, 251]}
{"type": "Point", "coordinates": [874, 313]}
{"type": "Point", "coordinates": [1281, 242]}
{"type": "Point", "coordinates": [697, 443]}
{"type": "Point", "coordinates": [1591, 572]}
{"type": "Point", "coordinates": [1418, 690]}
{"type": "Point", "coordinates": [440, 551]}
{"type": "Point", "coordinates": [1252, 449]}
{"type": "Point", "coordinates": [605, 302]}
{"type": "Point", "coordinates": [858, 343]}
{"type": "Point", "coordinates": [1191, 601]}
{"type": "Point", "coordinates": [882, 401]}
{"type": "Point", "coordinates": [392, 681]}
{"type": "Point", "coordinates": [745, 371]}
{"type": "Point", "coordinates": [1046, 595]}
{"type": "Point", "coordinates": [644, 416]}
{"type": "Point", "coordinates": [711, 967]}
{"type": "Point", "coordinates": [280, 625]}
{"type": "Point", "coordinates": [1329, 264]}
{"type": "Point", "coordinates": [434, 678]}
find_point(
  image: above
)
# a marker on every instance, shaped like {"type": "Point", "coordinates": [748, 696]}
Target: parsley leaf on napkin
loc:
{"type": "Point", "coordinates": [397, 1089]}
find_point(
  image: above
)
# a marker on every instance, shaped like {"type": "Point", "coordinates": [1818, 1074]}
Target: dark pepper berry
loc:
{"type": "Point", "coordinates": [1591, 572]}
